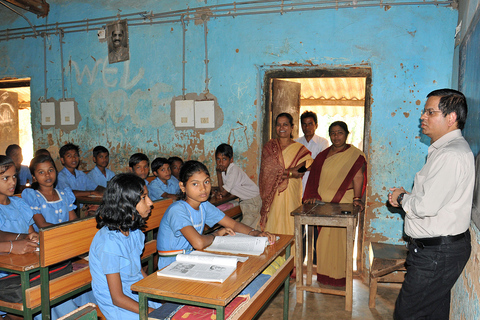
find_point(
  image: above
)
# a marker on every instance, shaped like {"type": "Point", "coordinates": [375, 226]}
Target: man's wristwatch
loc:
{"type": "Point", "coordinates": [400, 198]}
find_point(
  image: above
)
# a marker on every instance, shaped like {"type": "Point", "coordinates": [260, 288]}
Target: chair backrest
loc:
{"type": "Point", "coordinates": [66, 240]}
{"type": "Point", "coordinates": [159, 208]}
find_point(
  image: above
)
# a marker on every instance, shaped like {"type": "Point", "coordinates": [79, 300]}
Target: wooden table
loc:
{"type": "Point", "coordinates": [24, 265]}
{"type": "Point", "coordinates": [330, 215]}
{"type": "Point", "coordinates": [218, 295]}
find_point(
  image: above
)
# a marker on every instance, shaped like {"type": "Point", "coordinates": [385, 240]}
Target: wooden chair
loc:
{"type": "Point", "coordinates": [59, 243]}
{"type": "Point", "coordinates": [153, 222]}
{"type": "Point", "coordinates": [85, 312]}
{"type": "Point", "coordinates": [387, 264]}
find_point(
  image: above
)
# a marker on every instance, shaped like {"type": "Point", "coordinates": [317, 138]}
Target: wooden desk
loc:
{"type": "Point", "coordinates": [24, 265]}
{"type": "Point", "coordinates": [328, 214]}
{"type": "Point", "coordinates": [89, 200]}
{"type": "Point", "coordinates": [218, 295]}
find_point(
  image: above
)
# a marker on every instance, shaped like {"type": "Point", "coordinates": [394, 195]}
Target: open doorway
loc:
{"type": "Point", "coordinates": [15, 117]}
{"type": "Point", "coordinates": [333, 94]}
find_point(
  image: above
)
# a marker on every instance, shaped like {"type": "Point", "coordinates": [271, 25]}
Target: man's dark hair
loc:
{"type": "Point", "coordinates": [224, 149]}
{"type": "Point", "coordinates": [68, 147]}
{"type": "Point", "coordinates": [99, 149]}
{"type": "Point", "coordinates": [118, 209]}
{"type": "Point", "coordinates": [158, 163]}
{"type": "Point", "coordinates": [136, 158]}
{"type": "Point", "coordinates": [12, 148]}
{"type": "Point", "coordinates": [309, 114]}
{"type": "Point", "coordinates": [452, 101]}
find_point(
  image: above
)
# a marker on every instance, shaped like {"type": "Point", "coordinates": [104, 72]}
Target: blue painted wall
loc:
{"type": "Point", "coordinates": [126, 106]}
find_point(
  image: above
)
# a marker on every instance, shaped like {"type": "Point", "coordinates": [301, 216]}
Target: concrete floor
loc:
{"type": "Point", "coordinates": [325, 306]}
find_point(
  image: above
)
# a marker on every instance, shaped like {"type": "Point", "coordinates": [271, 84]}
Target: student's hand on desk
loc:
{"type": "Point", "coordinates": [24, 246]}
{"type": "Point", "coordinates": [258, 233]}
{"type": "Point", "coordinates": [32, 236]}
{"type": "Point", "coordinates": [311, 201]}
{"type": "Point", "coordinates": [223, 232]}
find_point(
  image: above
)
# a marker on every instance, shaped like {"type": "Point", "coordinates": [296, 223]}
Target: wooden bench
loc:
{"type": "Point", "coordinates": [153, 222]}
{"type": "Point", "coordinates": [85, 312]}
{"type": "Point", "coordinates": [387, 264]}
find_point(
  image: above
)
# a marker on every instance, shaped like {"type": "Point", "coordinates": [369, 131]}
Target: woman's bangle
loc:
{"type": "Point", "coordinates": [18, 235]}
{"type": "Point", "coordinates": [11, 247]}
{"type": "Point", "coordinates": [290, 174]}
{"type": "Point", "coordinates": [357, 198]}
{"type": "Point", "coordinates": [251, 231]}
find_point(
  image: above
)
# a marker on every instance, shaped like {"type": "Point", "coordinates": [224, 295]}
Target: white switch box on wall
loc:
{"type": "Point", "coordinates": [67, 112]}
{"type": "Point", "coordinates": [204, 114]}
{"type": "Point", "coordinates": [184, 113]}
{"type": "Point", "coordinates": [48, 113]}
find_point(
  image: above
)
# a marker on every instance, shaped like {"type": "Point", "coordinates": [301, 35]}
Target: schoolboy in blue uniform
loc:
{"type": "Point", "coordinates": [70, 177]}
{"type": "Point", "coordinates": [24, 178]}
{"type": "Point", "coordinates": [165, 185]}
{"type": "Point", "coordinates": [140, 165]}
{"type": "Point", "coordinates": [100, 174]}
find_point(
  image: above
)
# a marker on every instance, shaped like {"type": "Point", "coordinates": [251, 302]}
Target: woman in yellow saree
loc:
{"type": "Point", "coordinates": [337, 175]}
{"type": "Point", "coordinates": [280, 182]}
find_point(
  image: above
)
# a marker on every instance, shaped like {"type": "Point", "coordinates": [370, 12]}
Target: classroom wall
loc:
{"type": "Point", "coordinates": [465, 294]}
{"type": "Point", "coordinates": [126, 106]}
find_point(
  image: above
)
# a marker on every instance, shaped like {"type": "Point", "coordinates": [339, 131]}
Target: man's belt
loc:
{"type": "Point", "coordinates": [428, 242]}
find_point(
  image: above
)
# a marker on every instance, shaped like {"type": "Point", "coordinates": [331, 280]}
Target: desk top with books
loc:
{"type": "Point", "coordinates": [214, 294]}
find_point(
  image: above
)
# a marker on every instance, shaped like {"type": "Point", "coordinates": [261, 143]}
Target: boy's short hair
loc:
{"type": "Point", "coordinates": [158, 163]}
{"type": "Point", "coordinates": [309, 114]}
{"type": "Point", "coordinates": [225, 149]}
{"type": "Point", "coordinates": [40, 152]}
{"type": "Point", "coordinates": [11, 148]}
{"type": "Point", "coordinates": [173, 159]}
{"type": "Point", "coordinates": [68, 147]}
{"type": "Point", "coordinates": [136, 158]}
{"type": "Point", "coordinates": [99, 149]}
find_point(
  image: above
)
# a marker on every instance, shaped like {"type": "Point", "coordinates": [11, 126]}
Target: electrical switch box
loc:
{"type": "Point", "coordinates": [204, 114]}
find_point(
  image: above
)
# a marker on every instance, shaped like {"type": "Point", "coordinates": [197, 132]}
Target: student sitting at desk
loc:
{"type": "Point", "coordinates": [100, 174]}
{"type": "Point", "coordinates": [181, 228]}
{"type": "Point", "coordinates": [165, 185]}
{"type": "Point", "coordinates": [232, 179]}
{"type": "Point", "coordinates": [176, 164]}
{"type": "Point", "coordinates": [50, 205]}
{"type": "Point", "coordinates": [24, 179]}
{"type": "Point", "coordinates": [140, 166]}
{"type": "Point", "coordinates": [17, 217]}
{"type": "Point", "coordinates": [116, 248]}
{"type": "Point", "coordinates": [75, 179]}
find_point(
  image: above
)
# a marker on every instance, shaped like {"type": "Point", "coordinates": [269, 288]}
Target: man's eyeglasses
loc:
{"type": "Point", "coordinates": [429, 112]}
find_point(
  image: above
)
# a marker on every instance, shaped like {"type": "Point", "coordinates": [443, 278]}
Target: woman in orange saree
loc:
{"type": "Point", "coordinates": [280, 182]}
{"type": "Point", "coordinates": [337, 175]}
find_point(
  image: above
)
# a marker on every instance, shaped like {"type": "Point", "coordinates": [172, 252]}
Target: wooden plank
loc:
{"type": "Point", "coordinates": [66, 240]}
{"type": "Point", "coordinates": [150, 249]}
{"type": "Point", "coordinates": [159, 208]}
{"type": "Point", "coordinates": [59, 286]}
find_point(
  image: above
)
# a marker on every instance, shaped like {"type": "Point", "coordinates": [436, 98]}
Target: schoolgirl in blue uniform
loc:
{"type": "Point", "coordinates": [116, 248]}
{"type": "Point", "coordinates": [181, 228]}
{"type": "Point", "coordinates": [50, 205]}
{"type": "Point", "coordinates": [17, 217]}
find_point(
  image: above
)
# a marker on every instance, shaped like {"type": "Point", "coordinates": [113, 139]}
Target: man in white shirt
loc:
{"type": "Point", "coordinates": [315, 145]}
{"type": "Point", "coordinates": [310, 140]}
{"type": "Point", "coordinates": [437, 211]}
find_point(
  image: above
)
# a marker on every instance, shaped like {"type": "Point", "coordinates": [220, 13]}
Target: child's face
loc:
{"type": "Point", "coordinates": [145, 205]}
{"type": "Point", "coordinates": [141, 169]}
{"type": "Point", "coordinates": [17, 157]}
{"type": "Point", "coordinates": [101, 160]}
{"type": "Point", "coordinates": [223, 162]}
{"type": "Point", "coordinates": [8, 181]}
{"type": "Point", "coordinates": [175, 168]}
{"type": "Point", "coordinates": [197, 189]}
{"type": "Point", "coordinates": [45, 174]}
{"type": "Point", "coordinates": [70, 160]}
{"type": "Point", "coordinates": [163, 173]}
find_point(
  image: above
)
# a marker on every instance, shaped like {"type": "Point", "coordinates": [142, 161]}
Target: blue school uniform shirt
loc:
{"type": "Point", "coordinates": [97, 176]}
{"type": "Point", "coordinates": [113, 252]}
{"type": "Point", "coordinates": [156, 188]}
{"type": "Point", "coordinates": [24, 175]}
{"type": "Point", "coordinates": [179, 215]}
{"type": "Point", "coordinates": [79, 181]}
{"type": "Point", "coordinates": [53, 211]}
